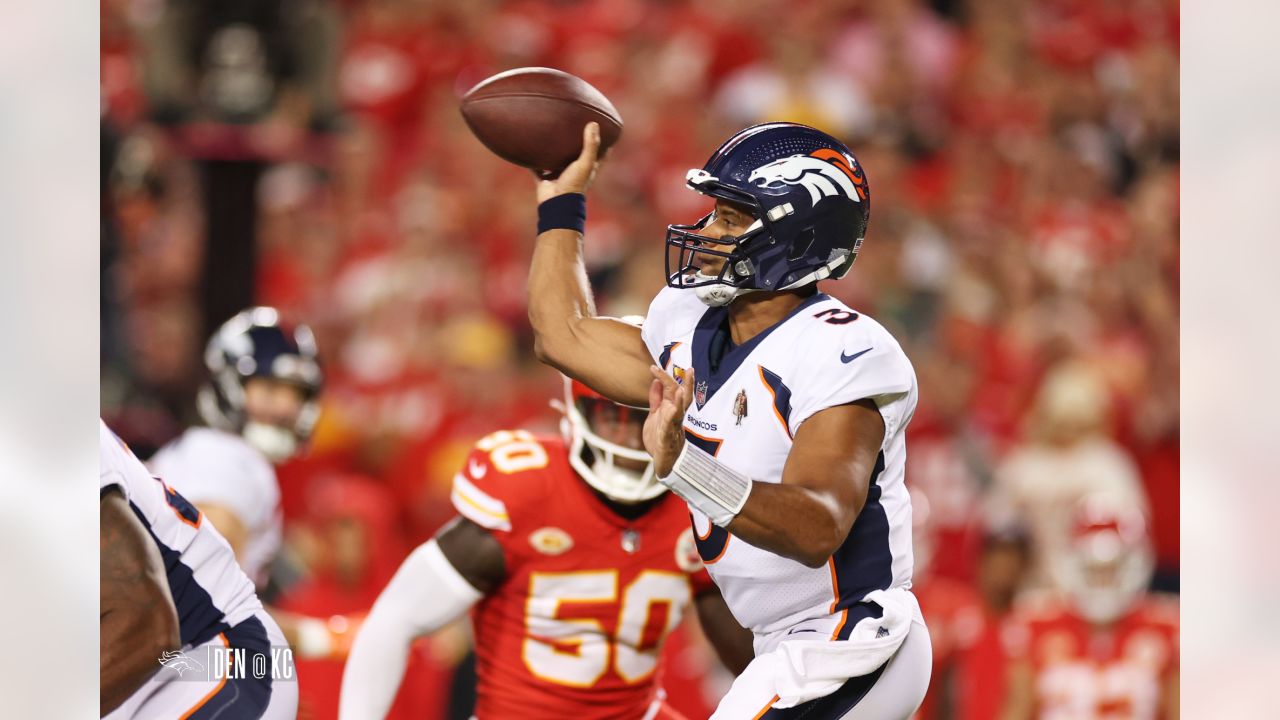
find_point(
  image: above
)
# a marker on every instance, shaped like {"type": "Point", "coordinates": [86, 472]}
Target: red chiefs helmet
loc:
{"type": "Point", "coordinates": [1110, 560]}
{"type": "Point", "coordinates": [623, 473]}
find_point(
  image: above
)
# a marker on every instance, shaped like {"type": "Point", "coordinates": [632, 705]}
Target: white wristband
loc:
{"type": "Point", "coordinates": [715, 489]}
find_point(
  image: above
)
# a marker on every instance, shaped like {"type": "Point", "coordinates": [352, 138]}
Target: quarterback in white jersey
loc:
{"type": "Point", "coordinates": [778, 413]}
{"type": "Point", "coordinates": [260, 404]}
{"type": "Point", "coordinates": [223, 634]}
{"type": "Point", "coordinates": [746, 413]}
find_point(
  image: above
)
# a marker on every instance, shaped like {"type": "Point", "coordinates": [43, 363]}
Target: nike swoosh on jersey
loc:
{"type": "Point", "coordinates": [850, 358]}
{"type": "Point", "coordinates": [477, 469]}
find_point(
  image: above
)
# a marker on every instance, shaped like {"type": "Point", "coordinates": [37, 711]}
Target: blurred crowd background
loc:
{"type": "Point", "coordinates": [309, 155]}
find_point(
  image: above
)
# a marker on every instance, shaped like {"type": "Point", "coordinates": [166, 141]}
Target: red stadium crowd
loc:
{"type": "Point", "coordinates": [1023, 162]}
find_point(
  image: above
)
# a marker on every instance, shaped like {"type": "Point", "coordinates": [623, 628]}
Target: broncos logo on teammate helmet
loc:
{"type": "Point", "coordinates": [810, 201]}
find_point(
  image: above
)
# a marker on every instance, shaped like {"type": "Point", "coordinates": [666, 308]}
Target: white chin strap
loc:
{"type": "Point", "coordinates": [277, 443]}
{"type": "Point", "coordinates": [821, 273]}
{"type": "Point", "coordinates": [716, 294]}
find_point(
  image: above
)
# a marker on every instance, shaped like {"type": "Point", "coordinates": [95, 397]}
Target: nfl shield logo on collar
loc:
{"type": "Point", "coordinates": [700, 393]}
{"type": "Point", "coordinates": [630, 541]}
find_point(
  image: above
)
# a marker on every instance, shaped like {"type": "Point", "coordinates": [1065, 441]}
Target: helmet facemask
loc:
{"type": "Point", "coordinates": [621, 473]}
{"type": "Point", "coordinates": [735, 275]}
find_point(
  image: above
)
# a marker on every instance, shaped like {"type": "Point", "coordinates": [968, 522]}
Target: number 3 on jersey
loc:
{"type": "Point", "coordinates": [577, 651]}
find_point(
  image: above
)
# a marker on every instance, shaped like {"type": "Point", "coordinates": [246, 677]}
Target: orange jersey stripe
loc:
{"type": "Point", "coordinates": [207, 698]}
{"type": "Point", "coordinates": [774, 401]}
{"type": "Point", "coordinates": [765, 709]}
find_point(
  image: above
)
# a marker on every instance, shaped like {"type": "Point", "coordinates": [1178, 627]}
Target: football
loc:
{"type": "Point", "coordinates": [534, 116]}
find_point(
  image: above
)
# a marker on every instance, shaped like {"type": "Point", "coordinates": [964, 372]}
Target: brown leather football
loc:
{"type": "Point", "coordinates": [534, 116]}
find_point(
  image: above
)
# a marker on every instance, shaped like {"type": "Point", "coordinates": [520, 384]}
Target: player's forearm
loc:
{"type": "Point", "coordinates": [132, 643]}
{"type": "Point", "coordinates": [791, 521]}
{"type": "Point", "coordinates": [426, 594]}
{"type": "Point", "coordinates": [229, 525]}
{"type": "Point", "coordinates": [374, 669]}
{"type": "Point", "coordinates": [559, 295]}
{"type": "Point", "coordinates": [607, 354]}
{"type": "Point", "coordinates": [137, 620]}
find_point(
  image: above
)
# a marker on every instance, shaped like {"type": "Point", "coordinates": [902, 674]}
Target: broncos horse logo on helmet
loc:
{"type": "Point", "coordinates": [810, 201]}
{"type": "Point", "coordinates": [824, 173]}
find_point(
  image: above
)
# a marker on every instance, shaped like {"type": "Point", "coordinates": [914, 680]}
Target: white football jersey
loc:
{"type": "Point", "coordinates": [209, 590]}
{"type": "Point", "coordinates": [212, 466]}
{"type": "Point", "coordinates": [746, 412]}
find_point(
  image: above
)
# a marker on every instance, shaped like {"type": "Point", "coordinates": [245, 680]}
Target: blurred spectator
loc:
{"type": "Point", "coordinates": [242, 62]}
{"type": "Point", "coordinates": [1107, 648]}
{"type": "Point", "coordinates": [950, 469]}
{"type": "Point", "coordinates": [792, 83]}
{"type": "Point", "coordinates": [351, 549]}
{"type": "Point", "coordinates": [1153, 436]}
{"type": "Point", "coordinates": [1068, 457]}
{"type": "Point", "coordinates": [969, 625]}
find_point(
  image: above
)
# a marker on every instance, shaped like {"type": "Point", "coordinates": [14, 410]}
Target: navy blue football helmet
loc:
{"type": "Point", "coordinates": [810, 201]}
{"type": "Point", "coordinates": [255, 343]}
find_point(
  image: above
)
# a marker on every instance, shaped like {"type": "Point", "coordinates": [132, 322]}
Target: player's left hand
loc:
{"type": "Point", "coordinates": [577, 177]}
{"type": "Point", "coordinates": [664, 428]}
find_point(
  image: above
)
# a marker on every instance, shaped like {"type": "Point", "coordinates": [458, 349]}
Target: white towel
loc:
{"type": "Point", "coordinates": [807, 669]}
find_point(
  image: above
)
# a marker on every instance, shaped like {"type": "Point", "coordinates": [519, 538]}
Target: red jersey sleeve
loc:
{"type": "Point", "coordinates": [501, 484]}
{"type": "Point", "coordinates": [479, 497]}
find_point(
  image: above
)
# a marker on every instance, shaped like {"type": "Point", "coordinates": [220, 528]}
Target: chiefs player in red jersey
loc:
{"type": "Point", "coordinates": [1111, 651]}
{"type": "Point", "coordinates": [578, 564]}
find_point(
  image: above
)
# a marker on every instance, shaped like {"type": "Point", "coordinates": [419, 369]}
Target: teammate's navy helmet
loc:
{"type": "Point", "coordinates": [255, 343]}
{"type": "Point", "coordinates": [810, 201]}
